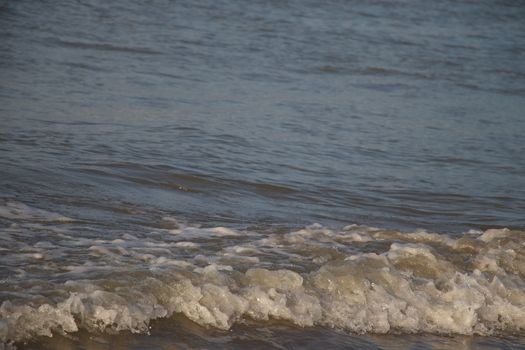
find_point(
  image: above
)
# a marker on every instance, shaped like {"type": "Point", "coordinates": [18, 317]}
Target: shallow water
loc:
{"type": "Point", "coordinates": [226, 174]}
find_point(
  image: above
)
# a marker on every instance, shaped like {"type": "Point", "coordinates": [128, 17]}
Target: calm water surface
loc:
{"type": "Point", "coordinates": [267, 174]}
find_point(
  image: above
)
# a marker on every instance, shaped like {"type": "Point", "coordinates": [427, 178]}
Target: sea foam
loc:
{"type": "Point", "coordinates": [359, 279]}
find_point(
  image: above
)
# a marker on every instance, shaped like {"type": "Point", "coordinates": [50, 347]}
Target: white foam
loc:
{"type": "Point", "coordinates": [224, 231]}
{"type": "Point", "coordinates": [189, 233]}
{"type": "Point", "coordinates": [186, 244]}
{"type": "Point", "coordinates": [20, 211]}
{"type": "Point", "coordinates": [402, 282]}
{"type": "Point", "coordinates": [492, 234]}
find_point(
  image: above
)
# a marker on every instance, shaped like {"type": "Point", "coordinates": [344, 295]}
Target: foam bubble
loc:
{"type": "Point", "coordinates": [358, 279]}
{"type": "Point", "coordinates": [20, 211]}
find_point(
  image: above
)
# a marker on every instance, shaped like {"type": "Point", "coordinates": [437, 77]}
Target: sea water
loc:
{"type": "Point", "coordinates": [262, 174]}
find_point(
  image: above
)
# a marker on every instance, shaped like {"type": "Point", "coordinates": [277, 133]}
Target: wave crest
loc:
{"type": "Point", "coordinates": [412, 282]}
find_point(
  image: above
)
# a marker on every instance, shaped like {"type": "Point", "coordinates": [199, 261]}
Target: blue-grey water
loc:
{"type": "Point", "coordinates": [272, 174]}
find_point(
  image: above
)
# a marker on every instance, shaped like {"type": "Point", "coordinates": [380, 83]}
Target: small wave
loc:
{"type": "Point", "coordinates": [108, 47]}
{"type": "Point", "coordinates": [359, 279]}
{"type": "Point", "coordinates": [17, 210]}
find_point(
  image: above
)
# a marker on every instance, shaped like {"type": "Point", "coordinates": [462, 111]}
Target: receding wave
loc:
{"type": "Point", "coordinates": [357, 278]}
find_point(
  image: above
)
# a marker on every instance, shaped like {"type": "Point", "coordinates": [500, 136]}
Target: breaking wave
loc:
{"type": "Point", "coordinates": [360, 279]}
